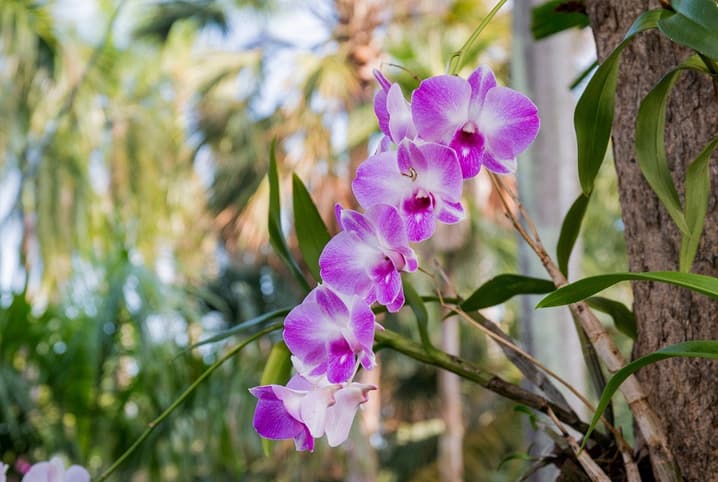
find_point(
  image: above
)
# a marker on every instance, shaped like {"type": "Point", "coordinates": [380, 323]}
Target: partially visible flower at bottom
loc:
{"type": "Point", "coordinates": [54, 471]}
{"type": "Point", "coordinates": [304, 410]}
{"type": "Point", "coordinates": [3, 470]}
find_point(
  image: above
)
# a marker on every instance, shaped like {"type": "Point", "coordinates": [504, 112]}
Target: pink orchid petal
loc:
{"type": "Point", "coordinates": [381, 112]}
{"type": "Point", "coordinates": [344, 264]}
{"type": "Point", "coordinates": [499, 167]}
{"type": "Point", "coordinates": [451, 213]}
{"type": "Point", "coordinates": [77, 474]}
{"type": "Point", "coordinates": [481, 81]}
{"type": "Point", "coordinates": [439, 106]}
{"type": "Point", "coordinates": [401, 125]}
{"type": "Point", "coordinates": [313, 409]}
{"type": "Point", "coordinates": [378, 181]}
{"type": "Point", "coordinates": [469, 147]}
{"type": "Point", "coordinates": [342, 362]}
{"type": "Point", "coordinates": [340, 416]}
{"type": "Point", "coordinates": [509, 122]}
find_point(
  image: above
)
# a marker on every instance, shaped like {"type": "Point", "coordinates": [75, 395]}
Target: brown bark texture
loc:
{"type": "Point", "coordinates": [684, 392]}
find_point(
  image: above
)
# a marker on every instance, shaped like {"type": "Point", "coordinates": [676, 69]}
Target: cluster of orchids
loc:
{"type": "Point", "coordinates": [52, 471]}
{"type": "Point", "coordinates": [450, 129]}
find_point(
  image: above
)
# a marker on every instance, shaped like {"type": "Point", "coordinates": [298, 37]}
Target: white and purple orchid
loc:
{"type": "Point", "coordinates": [423, 181]}
{"type": "Point", "coordinates": [327, 332]}
{"type": "Point", "coordinates": [487, 125]}
{"type": "Point", "coordinates": [451, 128]}
{"type": "Point", "coordinates": [366, 257]}
{"type": "Point", "coordinates": [54, 471]}
{"type": "Point", "coordinates": [304, 410]}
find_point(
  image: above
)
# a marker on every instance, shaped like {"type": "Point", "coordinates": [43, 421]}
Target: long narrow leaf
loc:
{"type": "Point", "coordinates": [274, 222]}
{"type": "Point", "coordinates": [704, 12]}
{"type": "Point", "coordinates": [235, 330]}
{"type": "Point", "coordinates": [504, 287]}
{"type": "Point", "coordinates": [582, 289]}
{"type": "Point", "coordinates": [650, 142]}
{"type": "Point", "coordinates": [698, 186]}
{"type": "Point", "coordinates": [570, 228]}
{"type": "Point", "coordinates": [623, 319]}
{"type": "Point", "coordinates": [312, 233]}
{"type": "Point", "coordinates": [593, 117]}
{"type": "Point", "coordinates": [695, 25]}
{"type": "Point", "coordinates": [422, 316]}
{"type": "Point", "coordinates": [691, 349]}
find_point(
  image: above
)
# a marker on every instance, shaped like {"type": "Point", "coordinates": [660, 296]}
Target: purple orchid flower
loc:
{"type": "Point", "coordinates": [365, 259]}
{"type": "Point", "coordinates": [422, 181]}
{"type": "Point", "coordinates": [54, 471]}
{"type": "Point", "coordinates": [327, 332]}
{"type": "Point", "coordinates": [393, 112]}
{"type": "Point", "coordinates": [485, 124]}
{"type": "Point", "coordinates": [304, 410]}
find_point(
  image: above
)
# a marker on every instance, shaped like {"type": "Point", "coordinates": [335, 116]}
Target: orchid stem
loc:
{"type": "Point", "coordinates": [457, 58]}
{"type": "Point", "coordinates": [155, 423]}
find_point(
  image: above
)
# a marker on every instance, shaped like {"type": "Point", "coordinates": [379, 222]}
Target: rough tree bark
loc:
{"type": "Point", "coordinates": [683, 391]}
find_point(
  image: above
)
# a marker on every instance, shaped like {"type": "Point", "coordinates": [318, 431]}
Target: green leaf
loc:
{"type": "Point", "coordinates": [503, 287]}
{"type": "Point", "coordinates": [694, 26]}
{"type": "Point", "coordinates": [570, 228]}
{"type": "Point", "coordinates": [582, 289]}
{"type": "Point", "coordinates": [698, 186]}
{"type": "Point", "coordinates": [623, 318]}
{"type": "Point", "coordinates": [276, 236]}
{"type": "Point", "coordinates": [422, 316]}
{"type": "Point", "coordinates": [593, 117]}
{"type": "Point", "coordinates": [312, 233]}
{"type": "Point", "coordinates": [650, 142]}
{"type": "Point", "coordinates": [556, 16]}
{"type": "Point", "coordinates": [582, 76]}
{"type": "Point", "coordinates": [690, 349]}
{"type": "Point", "coordinates": [235, 330]}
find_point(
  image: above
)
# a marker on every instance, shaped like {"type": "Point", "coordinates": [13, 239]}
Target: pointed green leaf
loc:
{"type": "Point", "coordinates": [593, 117]}
{"type": "Point", "coordinates": [503, 287]}
{"type": "Point", "coordinates": [312, 233]}
{"type": "Point", "coordinates": [698, 186]}
{"type": "Point", "coordinates": [650, 142]}
{"type": "Point", "coordinates": [690, 349]}
{"type": "Point", "coordinates": [694, 25]}
{"type": "Point", "coordinates": [582, 289]}
{"type": "Point", "coordinates": [556, 16]}
{"type": "Point", "coordinates": [257, 321]}
{"type": "Point", "coordinates": [570, 228]}
{"type": "Point", "coordinates": [623, 318]}
{"type": "Point", "coordinates": [276, 236]}
{"type": "Point", "coordinates": [422, 316]}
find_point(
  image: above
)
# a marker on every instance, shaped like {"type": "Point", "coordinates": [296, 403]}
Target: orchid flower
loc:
{"type": "Point", "coordinates": [422, 181]}
{"type": "Point", "coordinates": [54, 471]}
{"type": "Point", "coordinates": [304, 410]}
{"type": "Point", "coordinates": [393, 111]}
{"type": "Point", "coordinates": [485, 124]}
{"type": "Point", "coordinates": [327, 332]}
{"type": "Point", "coordinates": [3, 470]}
{"type": "Point", "coordinates": [367, 256]}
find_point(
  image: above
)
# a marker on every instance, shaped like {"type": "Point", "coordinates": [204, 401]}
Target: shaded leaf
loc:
{"type": "Point", "coordinates": [650, 142]}
{"type": "Point", "coordinates": [623, 318]}
{"type": "Point", "coordinates": [504, 287]}
{"type": "Point", "coordinates": [556, 16]}
{"type": "Point", "coordinates": [570, 228]}
{"type": "Point", "coordinates": [312, 233]}
{"type": "Point", "coordinates": [694, 24]}
{"type": "Point", "coordinates": [698, 186]}
{"type": "Point", "coordinates": [422, 316]}
{"type": "Point", "coordinates": [582, 289]}
{"type": "Point", "coordinates": [690, 349]}
{"type": "Point", "coordinates": [593, 117]}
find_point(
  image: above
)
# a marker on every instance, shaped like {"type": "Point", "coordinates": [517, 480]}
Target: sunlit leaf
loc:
{"type": "Point", "coordinates": [582, 289]}
{"type": "Point", "coordinates": [312, 233]}
{"type": "Point", "coordinates": [504, 287]}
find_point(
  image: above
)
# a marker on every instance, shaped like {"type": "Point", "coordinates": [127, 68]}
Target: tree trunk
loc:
{"type": "Point", "coordinates": [683, 391]}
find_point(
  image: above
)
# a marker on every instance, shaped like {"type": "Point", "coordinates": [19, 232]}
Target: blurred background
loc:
{"type": "Point", "coordinates": [134, 141]}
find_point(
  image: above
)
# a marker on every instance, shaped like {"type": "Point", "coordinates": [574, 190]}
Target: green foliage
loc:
{"type": "Point", "coordinates": [582, 289]}
{"type": "Point", "coordinates": [694, 24]}
{"type": "Point", "coordinates": [556, 16]}
{"type": "Point", "coordinates": [504, 287]}
{"type": "Point", "coordinates": [690, 349]}
{"type": "Point", "coordinates": [593, 117]}
{"type": "Point", "coordinates": [623, 318]}
{"type": "Point", "coordinates": [420, 313]}
{"type": "Point", "coordinates": [570, 228]}
{"type": "Point", "coordinates": [312, 233]}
